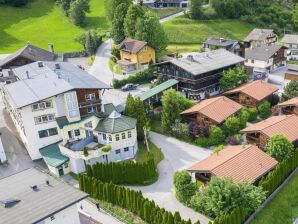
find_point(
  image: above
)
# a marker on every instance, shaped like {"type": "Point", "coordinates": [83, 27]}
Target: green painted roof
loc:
{"type": "Point", "coordinates": [157, 89]}
{"type": "Point", "coordinates": [109, 108]}
{"type": "Point", "coordinates": [52, 155]}
{"type": "Point", "coordinates": [115, 125]}
{"type": "Point", "coordinates": [63, 121]}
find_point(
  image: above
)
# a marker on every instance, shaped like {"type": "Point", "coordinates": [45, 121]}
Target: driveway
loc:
{"type": "Point", "coordinates": [178, 156]}
{"type": "Point", "coordinates": [171, 17]}
{"type": "Point", "coordinates": [16, 153]}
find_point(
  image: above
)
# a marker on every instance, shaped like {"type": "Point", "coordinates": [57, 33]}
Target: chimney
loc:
{"type": "Point", "coordinates": [40, 64]}
{"type": "Point", "coordinates": [57, 66]}
{"type": "Point", "coordinates": [28, 76]}
{"type": "Point", "coordinates": [33, 187]}
{"type": "Point", "coordinates": [51, 47]}
{"type": "Point", "coordinates": [190, 57]}
{"type": "Point", "coordinates": [48, 182]}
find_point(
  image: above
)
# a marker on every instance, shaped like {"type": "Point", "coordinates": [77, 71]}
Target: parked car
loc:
{"type": "Point", "coordinates": [128, 87]}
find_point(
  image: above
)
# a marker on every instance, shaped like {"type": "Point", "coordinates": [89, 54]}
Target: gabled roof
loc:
{"type": "Point", "coordinates": [36, 205]}
{"type": "Point", "coordinates": [30, 52]}
{"type": "Point", "coordinates": [221, 42]}
{"type": "Point", "coordinates": [291, 102]}
{"type": "Point", "coordinates": [263, 52]}
{"type": "Point", "coordinates": [52, 155]}
{"type": "Point", "coordinates": [157, 89]}
{"type": "Point", "coordinates": [218, 109]}
{"type": "Point", "coordinates": [132, 46]}
{"type": "Point", "coordinates": [258, 89]}
{"type": "Point", "coordinates": [258, 34]}
{"type": "Point", "coordinates": [290, 39]}
{"type": "Point", "coordinates": [116, 123]}
{"type": "Point", "coordinates": [200, 63]}
{"type": "Point", "coordinates": [286, 125]}
{"type": "Point", "coordinates": [36, 83]}
{"type": "Point", "coordinates": [240, 162]}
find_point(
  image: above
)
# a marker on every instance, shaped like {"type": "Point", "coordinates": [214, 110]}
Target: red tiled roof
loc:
{"type": "Point", "coordinates": [291, 102]}
{"type": "Point", "coordinates": [218, 109]}
{"type": "Point", "coordinates": [286, 125]}
{"type": "Point", "coordinates": [240, 162]}
{"type": "Point", "coordinates": [258, 89]}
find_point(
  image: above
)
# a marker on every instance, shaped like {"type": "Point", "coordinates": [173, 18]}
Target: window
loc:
{"type": "Point", "coordinates": [117, 151]}
{"type": "Point", "coordinates": [90, 96]}
{"type": "Point", "coordinates": [47, 133]}
{"type": "Point", "coordinates": [252, 61]}
{"type": "Point", "coordinates": [104, 136]}
{"type": "Point", "coordinates": [65, 165]}
{"type": "Point", "coordinates": [126, 149]}
{"type": "Point", "coordinates": [91, 109]}
{"type": "Point", "coordinates": [77, 132]}
{"type": "Point", "coordinates": [88, 124]}
{"type": "Point", "coordinates": [42, 105]}
{"type": "Point", "coordinates": [52, 218]}
{"type": "Point", "coordinates": [129, 134]}
{"type": "Point", "coordinates": [44, 118]}
{"type": "Point", "coordinates": [123, 135]}
{"type": "Point", "coordinates": [117, 137]}
{"type": "Point", "coordinates": [110, 138]}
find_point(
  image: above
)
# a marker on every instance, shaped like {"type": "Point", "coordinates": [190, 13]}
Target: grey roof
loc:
{"type": "Point", "coordinates": [36, 205]}
{"type": "Point", "coordinates": [221, 42]}
{"type": "Point", "coordinates": [30, 52]}
{"type": "Point", "coordinates": [258, 34]}
{"type": "Point", "coordinates": [263, 52]}
{"type": "Point", "coordinates": [290, 39]}
{"type": "Point", "coordinates": [200, 63]}
{"type": "Point", "coordinates": [116, 123]}
{"type": "Point", "coordinates": [47, 81]}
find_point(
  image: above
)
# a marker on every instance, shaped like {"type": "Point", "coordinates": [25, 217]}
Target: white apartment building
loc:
{"type": "Point", "coordinates": [56, 108]}
{"type": "Point", "coordinates": [291, 42]}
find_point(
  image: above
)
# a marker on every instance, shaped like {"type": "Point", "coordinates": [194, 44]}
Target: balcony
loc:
{"type": "Point", "coordinates": [76, 148]}
{"type": "Point", "coordinates": [88, 103]}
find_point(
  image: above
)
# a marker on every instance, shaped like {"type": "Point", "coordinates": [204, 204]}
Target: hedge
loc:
{"type": "Point", "coordinates": [141, 77]}
{"type": "Point", "coordinates": [279, 174]}
{"type": "Point", "coordinates": [237, 216]}
{"type": "Point", "coordinates": [131, 200]}
{"type": "Point", "coordinates": [130, 173]}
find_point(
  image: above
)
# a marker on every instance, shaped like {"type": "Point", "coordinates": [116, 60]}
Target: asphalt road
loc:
{"type": "Point", "coordinates": [178, 156]}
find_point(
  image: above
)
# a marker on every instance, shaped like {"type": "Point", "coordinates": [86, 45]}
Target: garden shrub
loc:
{"type": "Point", "coordinates": [253, 114]}
{"type": "Point", "coordinates": [231, 126]}
{"type": "Point", "coordinates": [264, 109]}
{"type": "Point", "coordinates": [184, 187]}
{"type": "Point", "coordinates": [216, 135]}
{"type": "Point", "coordinates": [180, 130]}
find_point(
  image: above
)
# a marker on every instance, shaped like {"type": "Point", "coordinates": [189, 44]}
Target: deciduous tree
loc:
{"type": "Point", "coordinates": [118, 32]}
{"type": "Point", "coordinates": [279, 147]}
{"type": "Point", "coordinates": [134, 13]}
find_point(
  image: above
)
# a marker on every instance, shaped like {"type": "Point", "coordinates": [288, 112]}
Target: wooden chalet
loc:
{"type": "Point", "coordinates": [253, 93]}
{"type": "Point", "coordinates": [289, 106]}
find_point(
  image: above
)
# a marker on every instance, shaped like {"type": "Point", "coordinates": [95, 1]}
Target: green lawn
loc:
{"type": "Point", "coordinates": [43, 22]}
{"type": "Point", "coordinates": [142, 153]}
{"type": "Point", "coordinates": [283, 209]}
{"type": "Point", "coordinates": [184, 31]}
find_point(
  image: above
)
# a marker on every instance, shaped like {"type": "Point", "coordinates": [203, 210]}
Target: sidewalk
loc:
{"type": "Point", "coordinates": [89, 209]}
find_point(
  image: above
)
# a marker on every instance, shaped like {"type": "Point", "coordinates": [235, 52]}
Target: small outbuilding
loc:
{"type": "Point", "coordinates": [289, 106]}
{"type": "Point", "coordinates": [212, 111]}
{"type": "Point", "coordinates": [239, 162]}
{"type": "Point", "coordinates": [260, 132]}
{"type": "Point", "coordinates": [253, 93]}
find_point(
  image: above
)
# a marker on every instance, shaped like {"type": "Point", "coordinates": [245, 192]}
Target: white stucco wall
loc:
{"type": "Point", "coordinates": [2, 152]}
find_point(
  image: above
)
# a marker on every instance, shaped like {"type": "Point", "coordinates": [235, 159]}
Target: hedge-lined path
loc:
{"type": "Point", "coordinates": [178, 155]}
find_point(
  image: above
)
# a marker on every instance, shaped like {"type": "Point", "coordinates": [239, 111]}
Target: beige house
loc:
{"type": "Point", "coordinates": [261, 36]}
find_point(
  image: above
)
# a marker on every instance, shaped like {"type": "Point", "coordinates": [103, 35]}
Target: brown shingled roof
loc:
{"type": "Point", "coordinates": [286, 125]}
{"type": "Point", "coordinates": [241, 163]}
{"type": "Point", "coordinates": [258, 89]}
{"type": "Point", "coordinates": [218, 109]}
{"type": "Point", "coordinates": [132, 46]}
{"type": "Point", "coordinates": [291, 102]}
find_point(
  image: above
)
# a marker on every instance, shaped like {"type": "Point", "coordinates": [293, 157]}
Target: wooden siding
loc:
{"type": "Point", "coordinates": [19, 61]}
{"type": "Point", "coordinates": [84, 104]}
{"type": "Point", "coordinates": [289, 76]}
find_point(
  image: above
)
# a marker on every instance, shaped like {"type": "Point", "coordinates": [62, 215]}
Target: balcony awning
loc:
{"type": "Point", "coordinates": [52, 156]}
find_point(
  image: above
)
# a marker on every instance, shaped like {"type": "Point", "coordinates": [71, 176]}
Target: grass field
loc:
{"type": "Point", "coordinates": [185, 33]}
{"type": "Point", "coordinates": [43, 22]}
{"type": "Point", "coordinates": [142, 153]}
{"type": "Point", "coordinates": [283, 209]}
{"type": "Point", "coordinates": [161, 13]}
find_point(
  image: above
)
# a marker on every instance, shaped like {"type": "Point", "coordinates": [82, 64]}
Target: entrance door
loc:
{"type": "Point", "coordinates": [60, 170]}
{"type": "Point", "coordinates": [89, 133]}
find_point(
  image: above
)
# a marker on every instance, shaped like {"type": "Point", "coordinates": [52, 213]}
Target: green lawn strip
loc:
{"type": "Point", "coordinates": [142, 153]}
{"type": "Point", "coordinates": [42, 22]}
{"type": "Point", "coordinates": [293, 62]}
{"type": "Point", "coordinates": [114, 67]}
{"type": "Point", "coordinates": [183, 30]}
{"type": "Point", "coordinates": [283, 209]}
{"type": "Point", "coordinates": [162, 13]}
{"type": "Point", "coordinates": [121, 213]}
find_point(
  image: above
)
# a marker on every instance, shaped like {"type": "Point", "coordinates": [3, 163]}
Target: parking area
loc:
{"type": "Point", "coordinates": [16, 153]}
